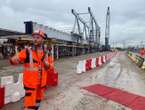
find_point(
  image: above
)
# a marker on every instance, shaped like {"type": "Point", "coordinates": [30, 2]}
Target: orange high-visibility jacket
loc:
{"type": "Point", "coordinates": [32, 75]}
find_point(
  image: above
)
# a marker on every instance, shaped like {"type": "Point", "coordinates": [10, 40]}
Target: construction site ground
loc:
{"type": "Point", "coordinates": [120, 73]}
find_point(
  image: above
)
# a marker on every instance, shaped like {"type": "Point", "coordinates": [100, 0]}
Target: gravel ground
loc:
{"type": "Point", "coordinates": [120, 72]}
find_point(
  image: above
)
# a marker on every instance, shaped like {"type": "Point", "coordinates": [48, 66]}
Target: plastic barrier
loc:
{"type": "Point", "coordinates": [111, 55]}
{"type": "Point", "coordinates": [19, 89]}
{"type": "Point", "coordinates": [15, 97]}
{"type": "Point", "coordinates": [7, 80]}
{"type": "Point", "coordinates": [139, 61]}
{"type": "Point", "coordinates": [103, 59]}
{"type": "Point", "coordinates": [143, 65]}
{"type": "Point", "coordinates": [129, 53]}
{"type": "Point", "coordinates": [81, 67]}
{"type": "Point", "coordinates": [106, 57]}
{"type": "Point", "coordinates": [9, 91]}
{"type": "Point", "coordinates": [133, 58]}
{"type": "Point", "coordinates": [93, 63]}
{"type": "Point", "coordinates": [88, 64]}
{"type": "Point", "coordinates": [13, 91]}
{"type": "Point", "coordinates": [2, 94]}
{"type": "Point", "coordinates": [7, 100]}
{"type": "Point", "coordinates": [98, 62]}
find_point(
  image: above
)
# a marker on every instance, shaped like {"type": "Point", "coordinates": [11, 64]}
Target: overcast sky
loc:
{"type": "Point", "coordinates": [127, 16]}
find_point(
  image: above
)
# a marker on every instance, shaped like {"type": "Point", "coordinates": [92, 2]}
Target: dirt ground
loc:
{"type": "Point", "coordinates": [120, 72]}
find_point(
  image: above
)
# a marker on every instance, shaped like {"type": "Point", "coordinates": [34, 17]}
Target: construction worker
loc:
{"type": "Point", "coordinates": [35, 74]}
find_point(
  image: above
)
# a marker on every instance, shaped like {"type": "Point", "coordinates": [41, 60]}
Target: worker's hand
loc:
{"type": "Point", "coordinates": [46, 52]}
{"type": "Point", "coordinates": [46, 65]}
{"type": "Point", "coordinates": [14, 60]}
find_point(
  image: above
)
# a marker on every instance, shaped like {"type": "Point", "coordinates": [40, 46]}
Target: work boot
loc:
{"type": "Point", "coordinates": [32, 108]}
{"type": "Point", "coordinates": [38, 104]}
{"type": "Point", "coordinates": [29, 109]}
{"type": "Point", "coordinates": [37, 108]}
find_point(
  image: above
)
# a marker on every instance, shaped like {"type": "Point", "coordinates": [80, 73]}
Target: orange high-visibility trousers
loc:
{"type": "Point", "coordinates": [32, 97]}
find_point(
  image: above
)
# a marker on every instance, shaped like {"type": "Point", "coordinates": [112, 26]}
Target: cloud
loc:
{"type": "Point", "coordinates": [127, 16]}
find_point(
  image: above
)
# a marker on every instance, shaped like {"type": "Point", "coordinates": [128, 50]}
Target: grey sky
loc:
{"type": "Point", "coordinates": [127, 16]}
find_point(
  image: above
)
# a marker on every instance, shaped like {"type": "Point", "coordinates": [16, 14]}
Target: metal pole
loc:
{"type": "Point", "coordinates": [52, 51]}
{"type": "Point", "coordinates": [57, 54]}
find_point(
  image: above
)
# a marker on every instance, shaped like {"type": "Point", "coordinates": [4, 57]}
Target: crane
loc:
{"type": "Point", "coordinates": [107, 29]}
{"type": "Point", "coordinates": [87, 31]}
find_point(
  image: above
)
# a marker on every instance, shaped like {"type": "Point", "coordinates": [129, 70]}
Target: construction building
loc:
{"type": "Point", "coordinates": [84, 38]}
